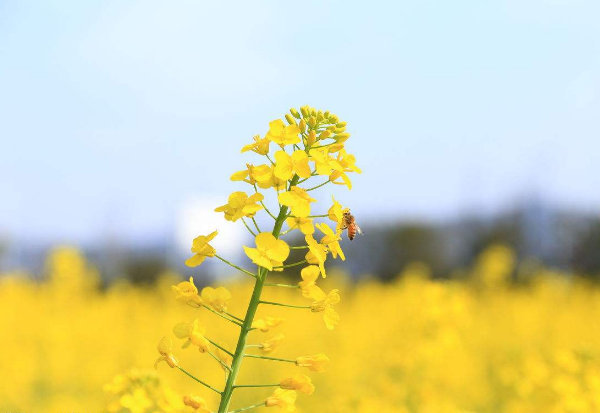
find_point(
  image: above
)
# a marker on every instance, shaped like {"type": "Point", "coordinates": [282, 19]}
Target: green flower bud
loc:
{"type": "Point", "coordinates": [312, 122]}
{"type": "Point", "coordinates": [334, 119]}
{"type": "Point", "coordinates": [295, 113]}
{"type": "Point", "coordinates": [326, 114]}
{"type": "Point", "coordinates": [341, 124]}
{"type": "Point", "coordinates": [312, 137]}
{"type": "Point", "coordinates": [319, 116]}
{"type": "Point", "coordinates": [290, 119]}
{"type": "Point", "coordinates": [304, 112]}
{"type": "Point", "coordinates": [342, 137]}
{"type": "Point", "coordinates": [302, 125]}
{"type": "Point", "coordinates": [325, 134]}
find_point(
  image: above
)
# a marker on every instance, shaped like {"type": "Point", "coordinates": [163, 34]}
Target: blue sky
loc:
{"type": "Point", "coordinates": [113, 113]}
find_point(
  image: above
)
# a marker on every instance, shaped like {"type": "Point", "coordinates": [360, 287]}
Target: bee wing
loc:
{"type": "Point", "coordinates": [358, 230]}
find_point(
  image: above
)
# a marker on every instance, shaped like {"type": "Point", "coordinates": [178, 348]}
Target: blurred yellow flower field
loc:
{"type": "Point", "coordinates": [415, 345]}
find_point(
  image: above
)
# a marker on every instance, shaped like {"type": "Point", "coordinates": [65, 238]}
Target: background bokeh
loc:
{"type": "Point", "coordinates": [473, 288]}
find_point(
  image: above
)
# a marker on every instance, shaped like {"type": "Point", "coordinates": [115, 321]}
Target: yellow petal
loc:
{"type": "Point", "coordinates": [195, 260]}
{"type": "Point", "coordinates": [257, 258]}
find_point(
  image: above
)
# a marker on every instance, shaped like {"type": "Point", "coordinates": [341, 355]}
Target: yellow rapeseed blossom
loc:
{"type": "Point", "coordinates": [309, 278]}
{"type": "Point", "coordinates": [217, 298]}
{"type": "Point", "coordinates": [331, 240]}
{"type": "Point", "coordinates": [324, 303]}
{"type": "Point", "coordinates": [187, 292]}
{"type": "Point", "coordinates": [265, 178]}
{"type": "Point", "coordinates": [298, 200]}
{"type": "Point", "coordinates": [324, 163]}
{"type": "Point", "coordinates": [196, 402]}
{"type": "Point", "coordinates": [286, 166]}
{"type": "Point", "coordinates": [317, 253]}
{"type": "Point", "coordinates": [241, 205]}
{"type": "Point", "coordinates": [201, 249]}
{"type": "Point", "coordinates": [282, 398]}
{"type": "Point", "coordinates": [269, 252]}
{"type": "Point", "coordinates": [298, 382]}
{"type": "Point", "coordinates": [305, 225]}
{"type": "Point", "coordinates": [246, 175]}
{"type": "Point", "coordinates": [347, 162]}
{"type": "Point", "coordinates": [336, 214]}
{"type": "Point", "coordinates": [194, 333]}
{"type": "Point", "coordinates": [260, 146]}
{"type": "Point", "coordinates": [267, 323]}
{"type": "Point", "coordinates": [313, 363]}
{"type": "Point", "coordinates": [281, 134]}
{"type": "Point", "coordinates": [165, 346]}
{"type": "Point", "coordinates": [269, 345]}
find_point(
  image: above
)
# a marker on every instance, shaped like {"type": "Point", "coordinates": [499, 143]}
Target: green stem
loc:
{"type": "Point", "coordinates": [236, 267]}
{"type": "Point", "coordinates": [200, 381]}
{"type": "Point", "coordinates": [248, 228]}
{"type": "Point", "coordinates": [225, 366]}
{"type": "Point", "coordinates": [281, 285]}
{"type": "Point", "coordinates": [246, 326]}
{"type": "Point", "coordinates": [256, 356]}
{"type": "Point", "coordinates": [318, 186]}
{"type": "Point", "coordinates": [219, 346]}
{"type": "Point", "coordinates": [284, 305]}
{"type": "Point", "coordinates": [247, 408]}
{"type": "Point", "coordinates": [263, 204]}
{"type": "Point", "coordinates": [256, 385]}
{"type": "Point", "coordinates": [310, 216]}
{"type": "Point", "coordinates": [234, 317]}
{"type": "Point", "coordinates": [222, 315]}
{"type": "Point", "coordinates": [301, 247]}
{"type": "Point", "coordinates": [256, 225]}
{"type": "Point", "coordinates": [291, 265]}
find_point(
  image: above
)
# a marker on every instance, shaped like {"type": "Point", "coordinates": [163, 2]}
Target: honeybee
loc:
{"type": "Point", "coordinates": [349, 223]}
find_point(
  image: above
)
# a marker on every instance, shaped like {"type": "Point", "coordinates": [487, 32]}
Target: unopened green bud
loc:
{"type": "Point", "coordinates": [304, 112]}
{"type": "Point", "coordinates": [342, 137]}
{"type": "Point", "coordinates": [334, 119]}
{"type": "Point", "coordinates": [340, 130]}
{"type": "Point", "coordinates": [290, 119]}
{"type": "Point", "coordinates": [302, 125]}
{"type": "Point", "coordinates": [326, 114]}
{"type": "Point", "coordinates": [295, 113]}
{"type": "Point", "coordinates": [312, 122]}
{"type": "Point", "coordinates": [325, 134]}
{"type": "Point", "coordinates": [312, 137]}
{"type": "Point", "coordinates": [331, 128]}
{"type": "Point", "coordinates": [319, 116]}
{"type": "Point", "coordinates": [336, 148]}
{"type": "Point", "coordinates": [313, 112]}
{"type": "Point", "coordinates": [341, 124]}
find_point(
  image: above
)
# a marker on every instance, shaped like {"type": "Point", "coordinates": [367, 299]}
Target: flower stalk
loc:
{"type": "Point", "coordinates": [307, 135]}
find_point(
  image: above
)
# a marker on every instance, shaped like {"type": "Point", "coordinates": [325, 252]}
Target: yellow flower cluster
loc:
{"type": "Point", "coordinates": [312, 144]}
{"type": "Point", "coordinates": [413, 345]}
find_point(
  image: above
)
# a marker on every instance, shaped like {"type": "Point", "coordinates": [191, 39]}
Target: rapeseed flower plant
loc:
{"type": "Point", "coordinates": [312, 144]}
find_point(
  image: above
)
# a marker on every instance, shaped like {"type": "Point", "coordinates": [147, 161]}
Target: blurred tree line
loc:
{"type": "Point", "coordinates": [562, 240]}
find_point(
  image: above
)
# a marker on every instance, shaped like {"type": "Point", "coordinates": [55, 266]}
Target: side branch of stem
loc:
{"type": "Point", "coordinates": [284, 305]}
{"type": "Point", "coordinates": [199, 381]}
{"type": "Point", "coordinates": [236, 267]}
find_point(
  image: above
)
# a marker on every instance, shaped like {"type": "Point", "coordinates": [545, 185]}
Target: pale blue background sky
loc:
{"type": "Point", "coordinates": [112, 113]}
